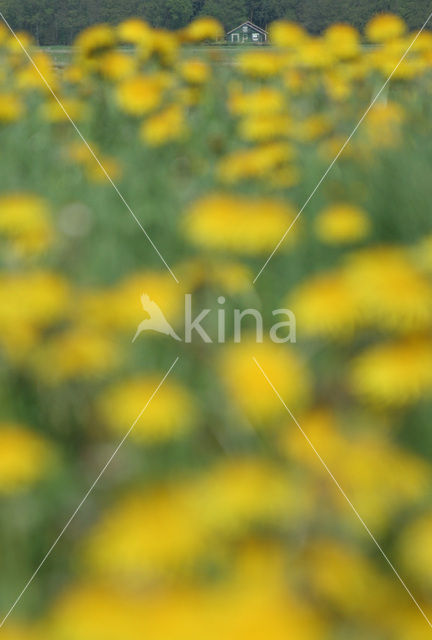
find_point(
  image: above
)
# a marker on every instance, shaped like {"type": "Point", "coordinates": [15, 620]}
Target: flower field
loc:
{"type": "Point", "coordinates": [242, 502]}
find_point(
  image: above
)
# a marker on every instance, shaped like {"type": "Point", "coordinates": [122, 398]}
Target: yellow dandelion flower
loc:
{"type": "Point", "coordinates": [146, 535]}
{"type": "Point", "coordinates": [46, 299]}
{"type": "Point", "coordinates": [119, 308]}
{"type": "Point", "coordinates": [315, 54]}
{"type": "Point", "coordinates": [395, 374]}
{"type": "Point", "coordinates": [96, 611]}
{"type": "Point", "coordinates": [194, 71]}
{"type": "Point", "coordinates": [110, 165]}
{"type": "Point", "coordinates": [415, 550]}
{"type": "Point", "coordinates": [74, 74]}
{"type": "Point", "coordinates": [384, 27]}
{"type": "Point", "coordinates": [25, 457]}
{"type": "Point", "coordinates": [392, 293]}
{"type": "Point", "coordinates": [53, 112]}
{"type": "Point", "coordinates": [141, 94]}
{"type": "Point", "coordinates": [337, 85]}
{"type": "Point", "coordinates": [23, 39]}
{"type": "Point", "coordinates": [347, 580]}
{"type": "Point", "coordinates": [134, 31]}
{"type": "Point", "coordinates": [383, 124]}
{"type": "Point", "coordinates": [326, 306]}
{"type": "Point", "coordinates": [263, 101]}
{"type": "Point", "coordinates": [360, 462]}
{"type": "Point", "coordinates": [262, 128]}
{"type": "Point", "coordinates": [228, 276]}
{"type": "Point", "coordinates": [11, 107]}
{"type": "Point", "coordinates": [165, 45]}
{"type": "Point", "coordinates": [76, 353]}
{"type": "Point", "coordinates": [260, 64]}
{"type": "Point", "coordinates": [205, 28]}
{"type": "Point", "coordinates": [235, 494]}
{"type": "Point", "coordinates": [235, 223]}
{"type": "Point", "coordinates": [95, 40]}
{"type": "Point", "coordinates": [258, 162]}
{"type": "Point", "coordinates": [115, 65]}
{"type": "Point", "coordinates": [25, 222]}
{"type": "Point", "coordinates": [171, 413]}
{"type": "Point", "coordinates": [165, 126]}
{"type": "Point", "coordinates": [341, 224]}
{"type": "Point", "coordinates": [80, 153]}
{"type": "Point", "coordinates": [160, 287]}
{"type": "Point", "coordinates": [286, 34]}
{"type": "Point", "coordinates": [248, 387]}
{"type": "Point", "coordinates": [343, 40]}
{"type": "Point", "coordinates": [30, 78]}
{"type": "Point", "coordinates": [312, 128]}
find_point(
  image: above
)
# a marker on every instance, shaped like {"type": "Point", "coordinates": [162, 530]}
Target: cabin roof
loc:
{"type": "Point", "coordinates": [249, 24]}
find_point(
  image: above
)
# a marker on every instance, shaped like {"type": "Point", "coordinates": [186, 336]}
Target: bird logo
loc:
{"type": "Point", "coordinates": [156, 321]}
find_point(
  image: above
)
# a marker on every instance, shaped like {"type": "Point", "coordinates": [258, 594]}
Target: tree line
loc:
{"type": "Point", "coordinates": [58, 21]}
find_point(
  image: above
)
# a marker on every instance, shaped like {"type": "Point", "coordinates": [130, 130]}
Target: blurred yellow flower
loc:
{"type": "Point", "coordinates": [95, 40]}
{"type": "Point", "coordinates": [204, 28]}
{"type": "Point", "coordinates": [385, 26]}
{"type": "Point", "coordinates": [286, 34]}
{"type": "Point", "coordinates": [119, 307]}
{"type": "Point", "coordinates": [194, 71]}
{"type": "Point", "coordinates": [53, 112]}
{"type": "Point", "coordinates": [235, 494]}
{"type": "Point", "coordinates": [326, 306]}
{"type": "Point", "coordinates": [25, 222]}
{"type": "Point", "coordinates": [75, 353]}
{"type": "Point", "coordinates": [383, 124]}
{"type": "Point", "coordinates": [11, 107]}
{"type": "Point", "coordinates": [231, 277]}
{"type": "Point", "coordinates": [265, 100]}
{"type": "Point", "coordinates": [141, 94]}
{"type": "Point", "coordinates": [343, 40]}
{"type": "Point", "coordinates": [165, 126]}
{"type": "Point", "coordinates": [257, 162]}
{"type": "Point", "coordinates": [235, 223]}
{"type": "Point", "coordinates": [31, 78]}
{"type": "Point", "coordinates": [95, 611]}
{"type": "Point", "coordinates": [250, 390]}
{"type": "Point", "coordinates": [134, 31]}
{"type": "Point", "coordinates": [262, 128]}
{"type": "Point", "coordinates": [415, 550]}
{"type": "Point", "coordinates": [342, 223]}
{"type": "Point", "coordinates": [314, 53]}
{"type": "Point", "coordinates": [396, 373]}
{"type": "Point", "coordinates": [171, 414]}
{"type": "Point", "coordinates": [146, 534]}
{"type": "Point", "coordinates": [361, 460]}
{"type": "Point", "coordinates": [347, 580]}
{"type": "Point", "coordinates": [260, 64]}
{"type": "Point", "coordinates": [393, 295]}
{"type": "Point", "coordinates": [25, 457]}
{"type": "Point", "coordinates": [116, 65]}
{"type": "Point", "coordinates": [30, 302]}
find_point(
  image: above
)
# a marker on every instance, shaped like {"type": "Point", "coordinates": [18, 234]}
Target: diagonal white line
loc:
{"type": "Point", "coordinates": [105, 172]}
{"type": "Point", "coordinates": [342, 149]}
{"type": "Point", "coordinates": [99, 476]}
{"type": "Point", "coordinates": [304, 434]}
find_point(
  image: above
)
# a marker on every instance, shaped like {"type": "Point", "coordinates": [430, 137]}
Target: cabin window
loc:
{"type": "Point", "coordinates": [255, 37]}
{"type": "Point", "coordinates": [235, 37]}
